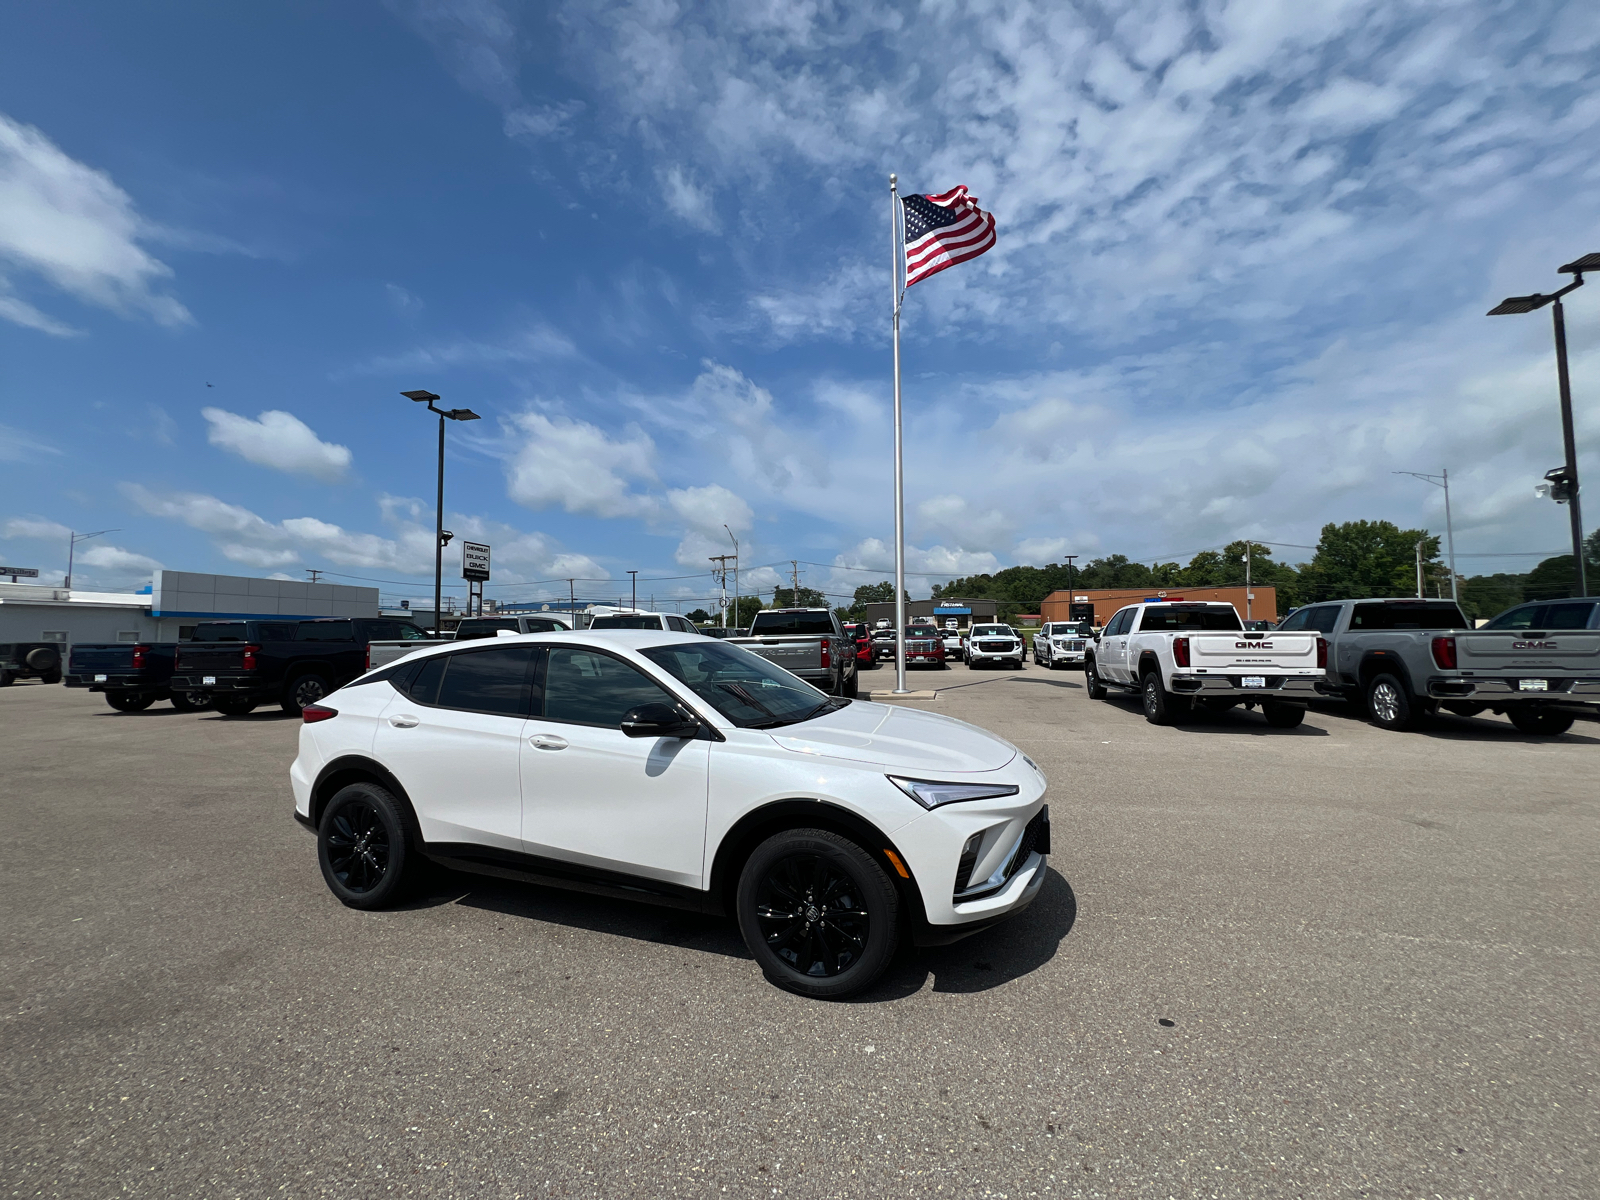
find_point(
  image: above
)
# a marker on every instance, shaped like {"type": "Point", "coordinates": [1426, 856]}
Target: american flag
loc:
{"type": "Point", "coordinates": [944, 230]}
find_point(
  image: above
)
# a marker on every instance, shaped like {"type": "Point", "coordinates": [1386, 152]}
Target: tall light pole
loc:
{"type": "Point", "coordinates": [1442, 479]}
{"type": "Point", "coordinates": [735, 575]}
{"type": "Point", "coordinates": [1564, 479]}
{"type": "Point", "coordinates": [440, 537]}
{"type": "Point", "coordinates": [72, 545]}
{"type": "Point", "coordinates": [633, 582]}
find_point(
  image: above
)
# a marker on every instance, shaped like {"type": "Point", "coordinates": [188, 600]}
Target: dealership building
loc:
{"type": "Point", "coordinates": [946, 608]}
{"type": "Point", "coordinates": [1258, 603]}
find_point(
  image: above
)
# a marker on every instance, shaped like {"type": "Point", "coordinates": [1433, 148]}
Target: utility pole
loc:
{"type": "Point", "coordinates": [572, 602]}
{"type": "Point", "coordinates": [1247, 579]}
{"type": "Point", "coordinates": [72, 545]}
{"type": "Point", "coordinates": [735, 575]}
{"type": "Point", "coordinates": [721, 571]}
{"type": "Point", "coordinates": [313, 572]}
{"type": "Point", "coordinates": [794, 578]}
{"type": "Point", "coordinates": [634, 581]}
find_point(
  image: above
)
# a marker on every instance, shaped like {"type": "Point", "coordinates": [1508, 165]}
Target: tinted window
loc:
{"type": "Point", "coordinates": [487, 681]}
{"type": "Point", "coordinates": [922, 631]}
{"type": "Point", "coordinates": [792, 622]}
{"type": "Point", "coordinates": [228, 631]}
{"type": "Point", "coordinates": [1295, 620]}
{"type": "Point", "coordinates": [626, 622]}
{"type": "Point", "coordinates": [411, 633]}
{"type": "Point", "coordinates": [1366, 617]}
{"type": "Point", "coordinates": [275, 631]}
{"type": "Point", "coordinates": [545, 625]}
{"type": "Point", "coordinates": [1118, 624]}
{"type": "Point", "coordinates": [992, 631]}
{"type": "Point", "coordinates": [1160, 619]}
{"type": "Point", "coordinates": [483, 627]}
{"type": "Point", "coordinates": [1523, 617]}
{"type": "Point", "coordinates": [1569, 616]}
{"type": "Point", "coordinates": [423, 686]}
{"type": "Point", "coordinates": [594, 689]}
{"type": "Point", "coordinates": [743, 687]}
{"type": "Point", "coordinates": [326, 631]}
{"type": "Point", "coordinates": [1322, 618]}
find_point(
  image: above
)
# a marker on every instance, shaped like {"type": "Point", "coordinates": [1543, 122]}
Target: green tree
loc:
{"type": "Point", "coordinates": [805, 598]}
{"type": "Point", "coordinates": [869, 593]}
{"type": "Point", "coordinates": [699, 616]}
{"type": "Point", "coordinates": [742, 611]}
{"type": "Point", "coordinates": [1485, 596]}
{"type": "Point", "coordinates": [1552, 579]}
{"type": "Point", "coordinates": [1366, 558]}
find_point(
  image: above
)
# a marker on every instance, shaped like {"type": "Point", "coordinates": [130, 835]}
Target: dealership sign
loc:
{"type": "Point", "coordinates": [474, 561]}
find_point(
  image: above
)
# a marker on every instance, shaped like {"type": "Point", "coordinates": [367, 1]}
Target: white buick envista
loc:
{"type": "Point", "coordinates": [683, 770]}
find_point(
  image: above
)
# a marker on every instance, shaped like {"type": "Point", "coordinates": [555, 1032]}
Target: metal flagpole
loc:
{"type": "Point", "coordinates": [899, 477]}
{"type": "Point", "coordinates": [1450, 535]}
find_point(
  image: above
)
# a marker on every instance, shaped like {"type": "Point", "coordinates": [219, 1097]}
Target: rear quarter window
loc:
{"type": "Point", "coordinates": [1388, 615]}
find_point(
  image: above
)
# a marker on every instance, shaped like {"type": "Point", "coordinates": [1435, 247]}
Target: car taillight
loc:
{"type": "Point", "coordinates": [827, 656]}
{"type": "Point", "coordinates": [312, 713]}
{"type": "Point", "coordinates": [1322, 652]}
{"type": "Point", "coordinates": [1180, 651]}
{"type": "Point", "coordinates": [250, 653]}
{"type": "Point", "coordinates": [1444, 652]}
{"type": "Point", "coordinates": [138, 657]}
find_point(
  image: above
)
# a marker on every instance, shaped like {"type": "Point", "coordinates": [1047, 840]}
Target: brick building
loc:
{"type": "Point", "coordinates": [1262, 604]}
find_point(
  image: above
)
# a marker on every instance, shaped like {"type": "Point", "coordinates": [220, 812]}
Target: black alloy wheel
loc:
{"type": "Point", "coordinates": [191, 701]}
{"type": "Point", "coordinates": [363, 847]}
{"type": "Point", "coordinates": [1092, 686]}
{"type": "Point", "coordinates": [302, 692]}
{"type": "Point", "coordinates": [233, 706]}
{"type": "Point", "coordinates": [1161, 707]}
{"type": "Point", "coordinates": [1540, 722]}
{"type": "Point", "coordinates": [818, 913]}
{"type": "Point", "coordinates": [130, 701]}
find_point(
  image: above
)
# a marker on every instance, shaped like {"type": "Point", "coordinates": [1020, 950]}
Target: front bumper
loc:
{"type": "Point", "coordinates": [1017, 653]}
{"type": "Point", "coordinates": [1277, 687]}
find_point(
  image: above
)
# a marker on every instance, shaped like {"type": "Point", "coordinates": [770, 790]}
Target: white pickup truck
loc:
{"type": "Point", "coordinates": [1177, 654]}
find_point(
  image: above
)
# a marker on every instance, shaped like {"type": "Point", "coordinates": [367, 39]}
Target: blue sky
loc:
{"type": "Point", "coordinates": [1244, 255]}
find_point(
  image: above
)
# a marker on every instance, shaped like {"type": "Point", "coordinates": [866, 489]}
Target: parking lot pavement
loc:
{"type": "Point", "coordinates": [1327, 961]}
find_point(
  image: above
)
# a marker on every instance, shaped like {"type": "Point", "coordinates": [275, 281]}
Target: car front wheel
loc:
{"type": "Point", "coordinates": [130, 701]}
{"type": "Point", "coordinates": [819, 915]}
{"type": "Point", "coordinates": [1091, 681]}
{"type": "Point", "coordinates": [363, 847]}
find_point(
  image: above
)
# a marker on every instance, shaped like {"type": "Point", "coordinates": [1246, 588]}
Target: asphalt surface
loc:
{"type": "Point", "coordinates": [1323, 962]}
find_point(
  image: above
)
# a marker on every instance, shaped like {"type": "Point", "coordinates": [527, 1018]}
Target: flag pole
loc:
{"type": "Point", "coordinates": [899, 474]}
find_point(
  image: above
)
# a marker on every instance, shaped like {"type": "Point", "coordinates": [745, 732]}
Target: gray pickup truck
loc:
{"type": "Point", "coordinates": [1538, 664]}
{"type": "Point", "coordinates": [808, 642]}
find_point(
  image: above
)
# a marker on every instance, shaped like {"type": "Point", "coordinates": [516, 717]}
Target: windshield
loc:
{"type": "Point", "coordinates": [216, 631]}
{"type": "Point", "coordinates": [922, 631]}
{"type": "Point", "coordinates": [626, 622]}
{"type": "Point", "coordinates": [744, 687]}
{"type": "Point", "coordinates": [792, 622]}
{"type": "Point", "coordinates": [992, 631]}
{"type": "Point", "coordinates": [1190, 618]}
{"type": "Point", "coordinates": [1408, 615]}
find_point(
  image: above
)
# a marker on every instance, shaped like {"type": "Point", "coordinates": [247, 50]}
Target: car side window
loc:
{"type": "Point", "coordinates": [1322, 618]}
{"type": "Point", "coordinates": [326, 631]}
{"type": "Point", "coordinates": [1525, 617]}
{"type": "Point", "coordinates": [1296, 621]}
{"type": "Point", "coordinates": [1120, 622]}
{"type": "Point", "coordinates": [486, 681]}
{"type": "Point", "coordinates": [1574, 615]}
{"type": "Point", "coordinates": [583, 687]}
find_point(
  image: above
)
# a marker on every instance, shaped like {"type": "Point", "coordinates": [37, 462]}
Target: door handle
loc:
{"type": "Point", "coordinates": [547, 741]}
{"type": "Point", "coordinates": [403, 721]}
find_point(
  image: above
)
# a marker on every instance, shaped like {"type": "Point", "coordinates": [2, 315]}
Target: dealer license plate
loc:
{"type": "Point", "coordinates": [99, 678]}
{"type": "Point", "coordinates": [1533, 685]}
{"type": "Point", "coordinates": [208, 679]}
{"type": "Point", "coordinates": [1259, 681]}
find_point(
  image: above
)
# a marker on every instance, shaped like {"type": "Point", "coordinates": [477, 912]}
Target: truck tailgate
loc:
{"type": "Point", "coordinates": [1559, 652]}
{"type": "Point", "coordinates": [228, 656]}
{"type": "Point", "coordinates": [93, 659]}
{"type": "Point", "coordinates": [1230, 654]}
{"type": "Point", "coordinates": [792, 654]}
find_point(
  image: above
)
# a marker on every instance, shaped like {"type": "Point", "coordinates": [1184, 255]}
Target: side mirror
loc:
{"type": "Point", "coordinates": [658, 720]}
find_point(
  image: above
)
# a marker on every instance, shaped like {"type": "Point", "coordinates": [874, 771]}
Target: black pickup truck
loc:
{"type": "Point", "coordinates": [243, 664]}
{"type": "Point", "coordinates": [131, 675]}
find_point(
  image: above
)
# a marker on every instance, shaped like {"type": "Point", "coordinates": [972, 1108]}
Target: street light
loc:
{"type": "Point", "coordinates": [439, 536]}
{"type": "Point", "coordinates": [72, 545]}
{"type": "Point", "coordinates": [1443, 480]}
{"type": "Point", "coordinates": [1568, 474]}
{"type": "Point", "coordinates": [735, 575]}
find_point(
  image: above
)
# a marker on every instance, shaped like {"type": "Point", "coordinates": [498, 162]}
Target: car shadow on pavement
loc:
{"type": "Point", "coordinates": [1451, 728]}
{"type": "Point", "coordinates": [1233, 721]}
{"type": "Point", "coordinates": [1060, 683]}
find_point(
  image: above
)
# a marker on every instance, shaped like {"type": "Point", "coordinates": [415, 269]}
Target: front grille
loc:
{"type": "Point", "coordinates": [991, 647]}
{"type": "Point", "coordinates": [1035, 837]}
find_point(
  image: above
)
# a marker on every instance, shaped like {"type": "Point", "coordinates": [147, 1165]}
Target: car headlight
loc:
{"type": "Point", "coordinates": [931, 793]}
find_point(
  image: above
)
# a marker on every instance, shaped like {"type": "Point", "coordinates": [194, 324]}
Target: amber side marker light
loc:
{"type": "Point", "coordinates": [894, 861]}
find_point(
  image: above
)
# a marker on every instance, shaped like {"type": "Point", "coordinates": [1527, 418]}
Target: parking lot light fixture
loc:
{"type": "Point", "coordinates": [439, 537]}
{"type": "Point", "coordinates": [1514, 305]}
{"type": "Point", "coordinates": [72, 546]}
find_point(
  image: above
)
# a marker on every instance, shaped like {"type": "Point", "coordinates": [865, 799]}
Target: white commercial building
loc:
{"type": "Point", "coordinates": [168, 612]}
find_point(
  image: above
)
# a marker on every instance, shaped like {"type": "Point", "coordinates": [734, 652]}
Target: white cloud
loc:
{"type": "Point", "coordinates": [542, 120]}
{"type": "Point", "coordinates": [537, 342]}
{"type": "Point", "coordinates": [116, 561]}
{"type": "Point", "coordinates": [35, 527]}
{"type": "Point", "coordinates": [279, 440]}
{"type": "Point", "coordinates": [579, 467]}
{"type": "Point", "coordinates": [70, 225]}
{"type": "Point", "coordinates": [688, 200]}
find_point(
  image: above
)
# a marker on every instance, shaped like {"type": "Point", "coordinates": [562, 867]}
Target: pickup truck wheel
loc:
{"type": "Point", "coordinates": [972, 664]}
{"type": "Point", "coordinates": [1532, 720]}
{"type": "Point", "coordinates": [1091, 681]}
{"type": "Point", "coordinates": [130, 701]}
{"type": "Point", "coordinates": [190, 702]}
{"type": "Point", "coordinates": [1161, 707]}
{"type": "Point", "coordinates": [7, 678]}
{"type": "Point", "coordinates": [1283, 716]}
{"type": "Point", "coordinates": [819, 915]}
{"type": "Point", "coordinates": [363, 847]}
{"type": "Point", "coordinates": [1388, 705]}
{"type": "Point", "coordinates": [233, 706]}
{"type": "Point", "coordinates": [302, 692]}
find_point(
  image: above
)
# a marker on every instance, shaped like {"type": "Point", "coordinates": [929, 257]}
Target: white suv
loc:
{"type": "Point", "coordinates": [994, 644]}
{"type": "Point", "coordinates": [651, 765]}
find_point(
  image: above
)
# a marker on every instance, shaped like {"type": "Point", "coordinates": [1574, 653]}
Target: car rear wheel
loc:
{"type": "Point", "coordinates": [1091, 681]}
{"type": "Point", "coordinates": [363, 847]}
{"type": "Point", "coordinates": [1543, 723]}
{"type": "Point", "coordinates": [1161, 707]}
{"type": "Point", "coordinates": [301, 692]}
{"type": "Point", "coordinates": [818, 913]}
{"type": "Point", "coordinates": [7, 678]}
{"type": "Point", "coordinates": [1283, 716]}
{"type": "Point", "coordinates": [233, 706]}
{"type": "Point", "coordinates": [130, 701]}
{"type": "Point", "coordinates": [191, 701]}
{"type": "Point", "coordinates": [1388, 705]}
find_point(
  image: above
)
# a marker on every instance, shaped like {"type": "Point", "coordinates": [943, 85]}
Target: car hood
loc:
{"type": "Point", "coordinates": [902, 739]}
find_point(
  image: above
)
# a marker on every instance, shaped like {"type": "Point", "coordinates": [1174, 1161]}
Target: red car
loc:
{"type": "Point", "coordinates": [862, 637]}
{"type": "Point", "coordinates": [925, 645]}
